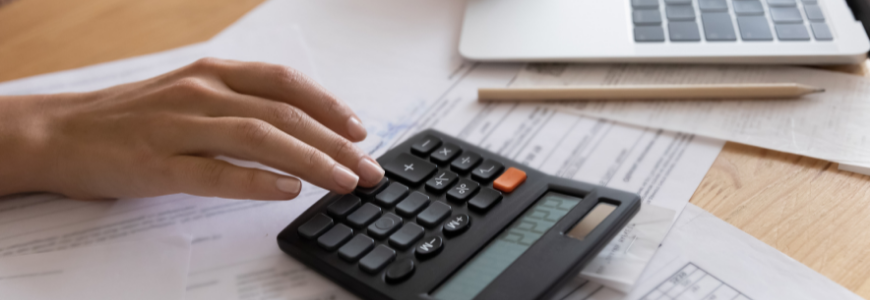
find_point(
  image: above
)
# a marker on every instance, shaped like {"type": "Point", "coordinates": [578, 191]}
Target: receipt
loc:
{"type": "Point", "coordinates": [830, 125]}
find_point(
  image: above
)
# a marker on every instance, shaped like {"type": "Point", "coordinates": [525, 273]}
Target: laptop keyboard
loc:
{"type": "Point", "coordinates": [714, 20]}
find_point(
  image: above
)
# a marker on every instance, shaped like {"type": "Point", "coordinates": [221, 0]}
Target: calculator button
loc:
{"type": "Point", "coordinates": [406, 236]}
{"type": "Point", "coordinates": [371, 191]}
{"type": "Point", "coordinates": [441, 181]}
{"type": "Point", "coordinates": [410, 169]}
{"type": "Point", "coordinates": [392, 194]}
{"type": "Point", "coordinates": [335, 237]}
{"type": "Point", "coordinates": [428, 247]}
{"type": "Point", "coordinates": [445, 154]}
{"type": "Point", "coordinates": [356, 248]}
{"type": "Point", "coordinates": [413, 204]}
{"type": "Point", "coordinates": [487, 170]}
{"type": "Point", "coordinates": [425, 145]}
{"type": "Point", "coordinates": [381, 228]}
{"type": "Point", "coordinates": [510, 180]}
{"type": "Point", "coordinates": [465, 162]}
{"type": "Point", "coordinates": [377, 259]}
{"type": "Point", "coordinates": [314, 227]}
{"type": "Point", "coordinates": [400, 270]}
{"type": "Point", "coordinates": [364, 215]}
{"type": "Point", "coordinates": [434, 214]}
{"type": "Point", "coordinates": [457, 224]}
{"type": "Point", "coordinates": [462, 190]}
{"type": "Point", "coordinates": [484, 200]}
{"type": "Point", "coordinates": [343, 205]}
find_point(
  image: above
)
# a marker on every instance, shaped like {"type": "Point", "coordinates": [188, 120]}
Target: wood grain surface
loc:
{"type": "Point", "coordinates": [804, 207]}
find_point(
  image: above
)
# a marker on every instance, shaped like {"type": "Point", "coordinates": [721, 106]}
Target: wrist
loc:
{"type": "Point", "coordinates": [23, 138]}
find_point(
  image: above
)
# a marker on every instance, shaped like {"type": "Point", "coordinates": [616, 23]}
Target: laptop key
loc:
{"type": "Point", "coordinates": [645, 3]}
{"type": "Point", "coordinates": [814, 12]}
{"type": "Point", "coordinates": [647, 17]}
{"type": "Point", "coordinates": [786, 15]}
{"type": "Point", "coordinates": [678, 2]}
{"type": "Point", "coordinates": [747, 8]}
{"type": "Point", "coordinates": [781, 2]}
{"type": "Point", "coordinates": [680, 13]}
{"type": "Point", "coordinates": [684, 32]}
{"type": "Point", "coordinates": [822, 32]}
{"type": "Point", "coordinates": [754, 28]}
{"type": "Point", "coordinates": [649, 34]}
{"type": "Point", "coordinates": [792, 32]}
{"type": "Point", "coordinates": [718, 27]}
{"type": "Point", "coordinates": [712, 5]}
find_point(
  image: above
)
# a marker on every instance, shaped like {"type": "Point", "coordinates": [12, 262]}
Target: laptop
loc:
{"type": "Point", "coordinates": [664, 31]}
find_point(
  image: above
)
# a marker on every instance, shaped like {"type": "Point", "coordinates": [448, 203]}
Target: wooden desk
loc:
{"type": "Point", "coordinates": [802, 206]}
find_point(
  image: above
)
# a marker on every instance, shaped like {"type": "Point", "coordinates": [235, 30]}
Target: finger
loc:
{"type": "Point", "coordinates": [290, 86]}
{"type": "Point", "coordinates": [300, 125]}
{"type": "Point", "coordinates": [257, 140]}
{"type": "Point", "coordinates": [214, 178]}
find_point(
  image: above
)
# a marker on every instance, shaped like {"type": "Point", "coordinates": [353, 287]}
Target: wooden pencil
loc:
{"type": "Point", "coordinates": [650, 92]}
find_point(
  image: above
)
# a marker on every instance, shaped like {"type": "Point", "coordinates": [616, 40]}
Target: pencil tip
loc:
{"type": "Point", "coordinates": [819, 90]}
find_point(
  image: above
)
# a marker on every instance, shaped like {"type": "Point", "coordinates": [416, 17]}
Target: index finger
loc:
{"type": "Point", "coordinates": [288, 85]}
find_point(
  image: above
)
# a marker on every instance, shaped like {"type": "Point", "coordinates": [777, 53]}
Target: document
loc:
{"type": "Point", "coordinates": [830, 125]}
{"type": "Point", "coordinates": [149, 268]}
{"type": "Point", "coordinates": [705, 258]}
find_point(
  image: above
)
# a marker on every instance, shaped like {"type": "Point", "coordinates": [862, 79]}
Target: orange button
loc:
{"type": "Point", "coordinates": [510, 180]}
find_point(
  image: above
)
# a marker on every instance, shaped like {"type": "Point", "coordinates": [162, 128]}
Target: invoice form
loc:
{"type": "Point", "coordinates": [831, 125]}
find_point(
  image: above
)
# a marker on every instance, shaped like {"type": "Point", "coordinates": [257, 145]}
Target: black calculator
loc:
{"type": "Point", "coordinates": [452, 221]}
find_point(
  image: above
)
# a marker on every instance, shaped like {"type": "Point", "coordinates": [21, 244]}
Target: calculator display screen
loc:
{"type": "Point", "coordinates": [507, 247]}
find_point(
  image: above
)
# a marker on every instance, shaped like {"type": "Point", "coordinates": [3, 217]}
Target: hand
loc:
{"type": "Point", "coordinates": [160, 136]}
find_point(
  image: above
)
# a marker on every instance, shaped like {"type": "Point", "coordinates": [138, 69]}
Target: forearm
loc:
{"type": "Point", "coordinates": [22, 128]}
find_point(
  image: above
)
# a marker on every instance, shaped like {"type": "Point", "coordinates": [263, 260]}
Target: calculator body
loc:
{"type": "Point", "coordinates": [443, 262]}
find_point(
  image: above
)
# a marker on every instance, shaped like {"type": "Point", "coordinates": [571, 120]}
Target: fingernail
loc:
{"type": "Point", "coordinates": [370, 171]}
{"type": "Point", "coordinates": [344, 177]}
{"type": "Point", "coordinates": [289, 185]}
{"type": "Point", "coordinates": [355, 129]}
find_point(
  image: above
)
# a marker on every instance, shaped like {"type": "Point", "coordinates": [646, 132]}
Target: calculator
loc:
{"type": "Point", "coordinates": [453, 221]}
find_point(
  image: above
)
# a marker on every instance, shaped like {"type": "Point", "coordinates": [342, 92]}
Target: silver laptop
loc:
{"type": "Point", "coordinates": [663, 31]}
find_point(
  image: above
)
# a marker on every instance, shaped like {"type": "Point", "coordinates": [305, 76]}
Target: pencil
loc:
{"type": "Point", "coordinates": [650, 92]}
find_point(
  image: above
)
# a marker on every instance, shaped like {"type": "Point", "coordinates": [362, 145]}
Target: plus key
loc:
{"type": "Point", "coordinates": [409, 168]}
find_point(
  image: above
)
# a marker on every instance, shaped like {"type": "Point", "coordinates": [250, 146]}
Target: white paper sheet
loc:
{"type": "Point", "coordinates": [830, 125]}
{"type": "Point", "coordinates": [150, 268]}
{"type": "Point", "coordinates": [705, 258]}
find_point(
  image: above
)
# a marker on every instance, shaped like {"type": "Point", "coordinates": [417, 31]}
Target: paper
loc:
{"type": "Point", "coordinates": [622, 261]}
{"type": "Point", "coordinates": [663, 167]}
{"type": "Point", "coordinates": [705, 258]}
{"type": "Point", "coordinates": [830, 125]}
{"type": "Point", "coordinates": [152, 268]}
